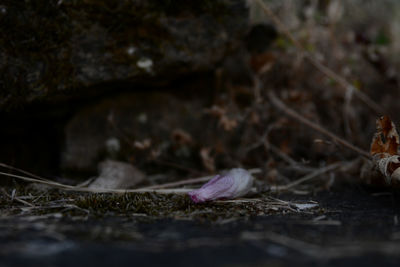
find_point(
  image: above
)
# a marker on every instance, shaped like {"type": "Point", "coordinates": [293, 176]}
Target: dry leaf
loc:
{"type": "Point", "coordinates": [254, 118]}
{"type": "Point", "coordinates": [384, 149]}
{"type": "Point", "coordinates": [181, 137]}
{"type": "Point", "coordinates": [262, 63]}
{"type": "Point", "coordinates": [208, 160]}
{"type": "Point", "coordinates": [142, 145]}
{"type": "Point", "coordinates": [227, 123]}
{"type": "Point", "coordinates": [386, 138]}
{"type": "Point", "coordinates": [216, 111]}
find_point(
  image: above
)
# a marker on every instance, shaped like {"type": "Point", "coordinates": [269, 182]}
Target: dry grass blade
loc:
{"type": "Point", "coordinates": [17, 198]}
{"type": "Point", "coordinates": [96, 190]}
{"type": "Point", "coordinates": [39, 181]}
{"type": "Point", "coordinates": [22, 171]}
{"type": "Point", "coordinates": [317, 64]}
{"type": "Point", "coordinates": [161, 189]}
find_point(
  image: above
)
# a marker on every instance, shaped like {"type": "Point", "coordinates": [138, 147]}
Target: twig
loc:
{"type": "Point", "coordinates": [270, 147]}
{"type": "Point", "coordinates": [290, 112]}
{"type": "Point", "coordinates": [184, 182]}
{"type": "Point", "coordinates": [308, 177]}
{"type": "Point", "coordinates": [22, 171]}
{"type": "Point", "coordinates": [153, 189]}
{"type": "Point", "coordinates": [317, 64]}
{"type": "Point", "coordinates": [292, 163]}
{"type": "Point", "coordinates": [279, 153]}
{"type": "Point", "coordinates": [96, 190]}
{"type": "Point", "coordinates": [191, 181]}
{"type": "Point", "coordinates": [17, 198]}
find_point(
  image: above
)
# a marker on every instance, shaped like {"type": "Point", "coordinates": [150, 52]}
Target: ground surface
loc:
{"type": "Point", "coordinates": [348, 225]}
{"type": "Point", "coordinates": [300, 108]}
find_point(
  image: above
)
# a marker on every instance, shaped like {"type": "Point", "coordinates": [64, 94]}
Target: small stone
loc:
{"type": "Point", "coordinates": [145, 63]}
{"type": "Point", "coordinates": [117, 175]}
{"type": "Point", "coordinates": [131, 50]}
{"type": "Point", "coordinates": [142, 118]}
{"type": "Point", "coordinates": [113, 145]}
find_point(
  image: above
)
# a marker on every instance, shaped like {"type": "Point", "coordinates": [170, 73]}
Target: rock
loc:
{"type": "Point", "coordinates": [117, 175]}
{"type": "Point", "coordinates": [122, 126]}
{"type": "Point", "coordinates": [63, 48]}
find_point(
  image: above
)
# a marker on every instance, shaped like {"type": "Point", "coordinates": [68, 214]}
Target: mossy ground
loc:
{"type": "Point", "coordinates": [151, 206]}
{"type": "Point", "coordinates": [350, 224]}
{"type": "Point", "coordinates": [65, 228]}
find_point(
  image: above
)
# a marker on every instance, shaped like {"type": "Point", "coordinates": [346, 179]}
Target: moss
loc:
{"type": "Point", "coordinates": [148, 205]}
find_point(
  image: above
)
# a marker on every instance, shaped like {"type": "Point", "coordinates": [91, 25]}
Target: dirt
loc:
{"type": "Point", "coordinates": [349, 225]}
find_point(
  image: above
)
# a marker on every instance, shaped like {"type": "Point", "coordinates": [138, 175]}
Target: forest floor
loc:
{"type": "Point", "coordinates": [301, 111]}
{"type": "Point", "coordinates": [340, 226]}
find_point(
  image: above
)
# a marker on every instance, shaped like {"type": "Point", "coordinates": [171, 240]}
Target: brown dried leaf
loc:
{"type": "Point", "coordinates": [261, 63]}
{"type": "Point", "coordinates": [227, 123]}
{"type": "Point", "coordinates": [216, 111]}
{"type": "Point", "coordinates": [181, 137]}
{"type": "Point", "coordinates": [386, 138]}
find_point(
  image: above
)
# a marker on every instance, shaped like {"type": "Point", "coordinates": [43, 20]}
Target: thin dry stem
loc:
{"type": "Point", "coordinates": [94, 190]}
{"type": "Point", "coordinates": [290, 112]}
{"type": "Point", "coordinates": [317, 64]}
{"type": "Point", "coordinates": [308, 177]}
{"type": "Point", "coordinates": [292, 163]}
{"type": "Point", "coordinates": [160, 189]}
{"type": "Point", "coordinates": [17, 198]}
{"type": "Point", "coordinates": [22, 171]}
{"type": "Point", "coordinates": [191, 181]}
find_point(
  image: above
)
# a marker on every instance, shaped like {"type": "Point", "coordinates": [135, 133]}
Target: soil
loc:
{"type": "Point", "coordinates": [350, 225]}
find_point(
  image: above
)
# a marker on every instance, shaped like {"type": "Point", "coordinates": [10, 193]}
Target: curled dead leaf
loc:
{"type": "Point", "coordinates": [389, 167]}
{"type": "Point", "coordinates": [384, 150]}
{"type": "Point", "coordinates": [386, 138]}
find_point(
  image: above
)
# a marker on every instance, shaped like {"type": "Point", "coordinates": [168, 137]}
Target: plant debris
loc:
{"type": "Point", "coordinates": [29, 202]}
{"type": "Point", "coordinates": [384, 150]}
{"type": "Point", "coordinates": [235, 183]}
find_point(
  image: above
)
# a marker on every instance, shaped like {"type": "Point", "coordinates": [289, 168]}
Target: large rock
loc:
{"type": "Point", "coordinates": [56, 48]}
{"type": "Point", "coordinates": [119, 126]}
